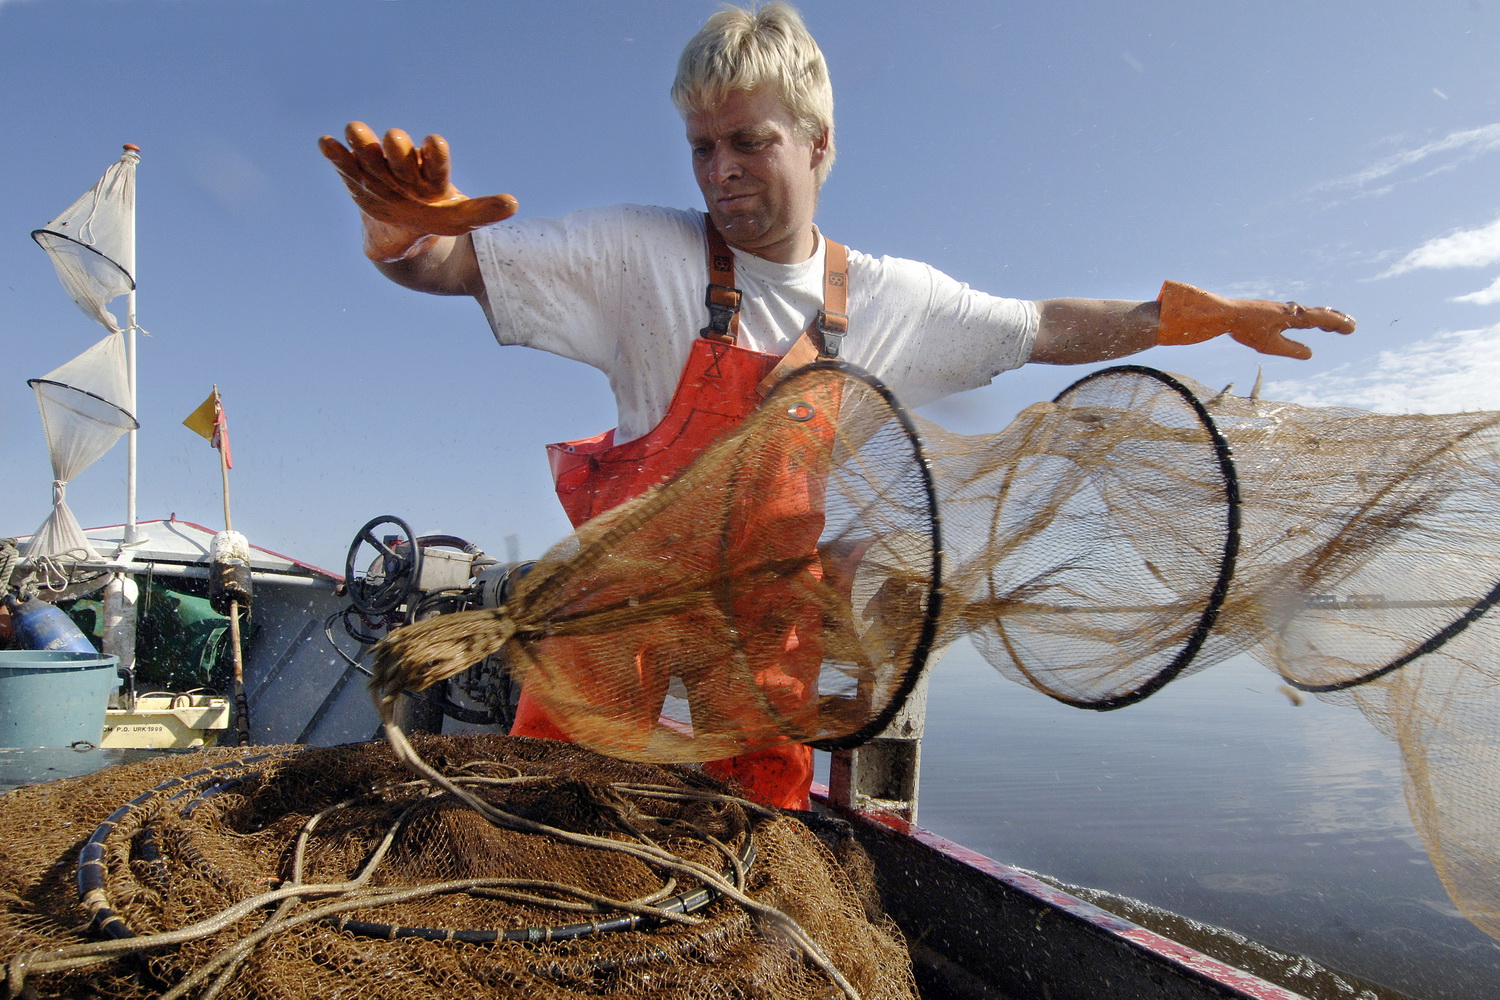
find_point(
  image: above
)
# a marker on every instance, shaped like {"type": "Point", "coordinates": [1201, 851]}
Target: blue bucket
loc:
{"type": "Point", "coordinates": [54, 698]}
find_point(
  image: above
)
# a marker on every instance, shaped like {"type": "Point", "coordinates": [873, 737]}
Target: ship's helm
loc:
{"type": "Point", "coordinates": [394, 577]}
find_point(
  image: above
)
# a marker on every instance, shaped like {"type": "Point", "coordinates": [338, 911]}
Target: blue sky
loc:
{"type": "Point", "coordinates": [1341, 153]}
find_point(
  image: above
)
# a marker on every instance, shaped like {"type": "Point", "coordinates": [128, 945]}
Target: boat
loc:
{"type": "Point", "coordinates": [976, 928]}
{"type": "Point", "coordinates": [292, 670]}
{"type": "Point", "coordinates": [979, 929]}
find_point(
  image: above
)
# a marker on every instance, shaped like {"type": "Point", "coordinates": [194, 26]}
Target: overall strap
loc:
{"type": "Point", "coordinates": [723, 299]}
{"type": "Point", "coordinates": [833, 319]}
{"type": "Point", "coordinates": [824, 336]}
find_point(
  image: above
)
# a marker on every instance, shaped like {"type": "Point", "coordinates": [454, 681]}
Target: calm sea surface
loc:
{"type": "Point", "coordinates": [1216, 798]}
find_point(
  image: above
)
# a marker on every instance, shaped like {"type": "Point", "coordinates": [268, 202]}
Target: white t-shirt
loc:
{"type": "Point", "coordinates": [622, 289]}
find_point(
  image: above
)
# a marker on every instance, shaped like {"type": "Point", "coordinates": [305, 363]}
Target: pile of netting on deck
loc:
{"type": "Point", "coordinates": [296, 873]}
{"type": "Point", "coordinates": [791, 584]}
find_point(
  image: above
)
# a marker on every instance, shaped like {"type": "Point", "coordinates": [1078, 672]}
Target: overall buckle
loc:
{"type": "Point", "coordinates": [831, 327]}
{"type": "Point", "coordinates": [723, 304]}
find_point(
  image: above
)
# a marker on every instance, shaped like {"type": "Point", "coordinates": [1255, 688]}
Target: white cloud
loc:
{"type": "Point", "coordinates": [1466, 248]}
{"type": "Point", "coordinates": [1485, 297]}
{"type": "Point", "coordinates": [1447, 373]}
{"type": "Point", "coordinates": [228, 174]}
{"type": "Point", "coordinates": [1279, 291]}
{"type": "Point", "coordinates": [1451, 150]}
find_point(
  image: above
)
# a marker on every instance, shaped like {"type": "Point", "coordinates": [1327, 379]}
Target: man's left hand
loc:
{"type": "Point", "coordinates": [1190, 316]}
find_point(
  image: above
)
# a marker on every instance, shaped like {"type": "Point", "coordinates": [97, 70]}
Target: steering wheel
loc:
{"type": "Point", "coordinates": [394, 570]}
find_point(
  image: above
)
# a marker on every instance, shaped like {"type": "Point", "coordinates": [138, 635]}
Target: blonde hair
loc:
{"type": "Point", "coordinates": [739, 49]}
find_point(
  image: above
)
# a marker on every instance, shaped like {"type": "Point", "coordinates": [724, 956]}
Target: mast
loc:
{"type": "Point", "coordinates": [132, 532]}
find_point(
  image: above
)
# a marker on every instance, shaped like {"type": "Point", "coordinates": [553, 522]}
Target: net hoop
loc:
{"type": "Point", "coordinates": [934, 602]}
{"type": "Point", "coordinates": [1442, 636]}
{"type": "Point", "coordinates": [129, 422]}
{"type": "Point", "coordinates": [552, 607]}
{"type": "Point", "coordinates": [1228, 552]}
{"type": "Point", "coordinates": [38, 234]}
{"type": "Point", "coordinates": [1433, 643]}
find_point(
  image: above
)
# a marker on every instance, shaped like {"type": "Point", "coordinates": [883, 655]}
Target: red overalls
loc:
{"type": "Point", "coordinates": [721, 385]}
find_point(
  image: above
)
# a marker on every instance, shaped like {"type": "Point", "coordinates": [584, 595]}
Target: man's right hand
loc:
{"type": "Point", "coordinates": [404, 193]}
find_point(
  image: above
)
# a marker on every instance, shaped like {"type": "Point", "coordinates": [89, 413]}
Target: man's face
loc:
{"type": "Point", "coordinates": [757, 174]}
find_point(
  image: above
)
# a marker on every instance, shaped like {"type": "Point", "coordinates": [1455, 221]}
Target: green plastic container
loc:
{"type": "Point", "coordinates": [54, 698]}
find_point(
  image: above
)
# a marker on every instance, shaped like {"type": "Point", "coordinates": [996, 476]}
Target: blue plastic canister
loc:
{"type": "Point", "coordinates": [39, 625]}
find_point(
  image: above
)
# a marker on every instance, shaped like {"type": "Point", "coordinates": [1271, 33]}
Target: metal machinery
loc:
{"type": "Point", "coordinates": [393, 577]}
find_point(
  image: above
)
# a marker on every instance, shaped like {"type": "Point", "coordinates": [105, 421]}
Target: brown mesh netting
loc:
{"type": "Point", "coordinates": [786, 588]}
{"type": "Point", "coordinates": [1134, 529]}
{"type": "Point", "coordinates": [1107, 542]}
{"type": "Point", "coordinates": [1088, 545]}
{"type": "Point", "coordinates": [789, 587]}
{"type": "Point", "coordinates": [1370, 557]}
{"type": "Point", "coordinates": [330, 872]}
{"type": "Point", "coordinates": [1141, 527]}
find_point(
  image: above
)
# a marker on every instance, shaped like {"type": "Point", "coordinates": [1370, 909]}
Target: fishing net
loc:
{"type": "Point", "coordinates": [297, 872]}
{"type": "Point", "coordinates": [1089, 545]}
{"type": "Point", "coordinates": [1370, 560]}
{"type": "Point", "coordinates": [1369, 539]}
{"type": "Point", "coordinates": [85, 408]}
{"type": "Point", "coordinates": [1133, 530]}
{"type": "Point", "coordinates": [92, 243]}
{"type": "Point", "coordinates": [790, 587]}
{"type": "Point", "coordinates": [1141, 527]}
{"type": "Point", "coordinates": [787, 589]}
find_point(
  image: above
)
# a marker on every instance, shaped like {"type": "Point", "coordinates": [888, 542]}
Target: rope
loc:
{"type": "Point", "coordinates": [9, 556]}
{"type": "Point", "coordinates": [649, 854]}
{"type": "Point", "coordinates": [294, 903]}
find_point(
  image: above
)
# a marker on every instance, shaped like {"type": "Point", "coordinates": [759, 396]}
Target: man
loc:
{"type": "Point", "coordinates": [689, 318]}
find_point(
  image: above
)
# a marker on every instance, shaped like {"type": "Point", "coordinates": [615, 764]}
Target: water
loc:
{"type": "Point", "coordinates": [1216, 798]}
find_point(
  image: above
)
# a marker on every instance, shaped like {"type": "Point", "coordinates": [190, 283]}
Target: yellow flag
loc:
{"type": "Point", "coordinates": [203, 420]}
{"type": "Point", "coordinates": [208, 421]}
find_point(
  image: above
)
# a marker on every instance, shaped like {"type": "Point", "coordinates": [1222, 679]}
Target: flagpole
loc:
{"type": "Point", "coordinates": [132, 533]}
{"type": "Point", "coordinates": [229, 569]}
{"type": "Point", "coordinates": [241, 702]}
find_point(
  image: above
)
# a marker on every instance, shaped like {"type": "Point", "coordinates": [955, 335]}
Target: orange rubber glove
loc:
{"type": "Point", "coordinates": [1190, 316]}
{"type": "Point", "coordinates": [405, 197]}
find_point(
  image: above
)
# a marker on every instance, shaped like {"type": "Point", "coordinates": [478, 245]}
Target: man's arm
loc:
{"type": "Point", "coordinates": [416, 223]}
{"type": "Point", "coordinates": [1078, 331]}
{"type": "Point", "coordinates": [443, 265]}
